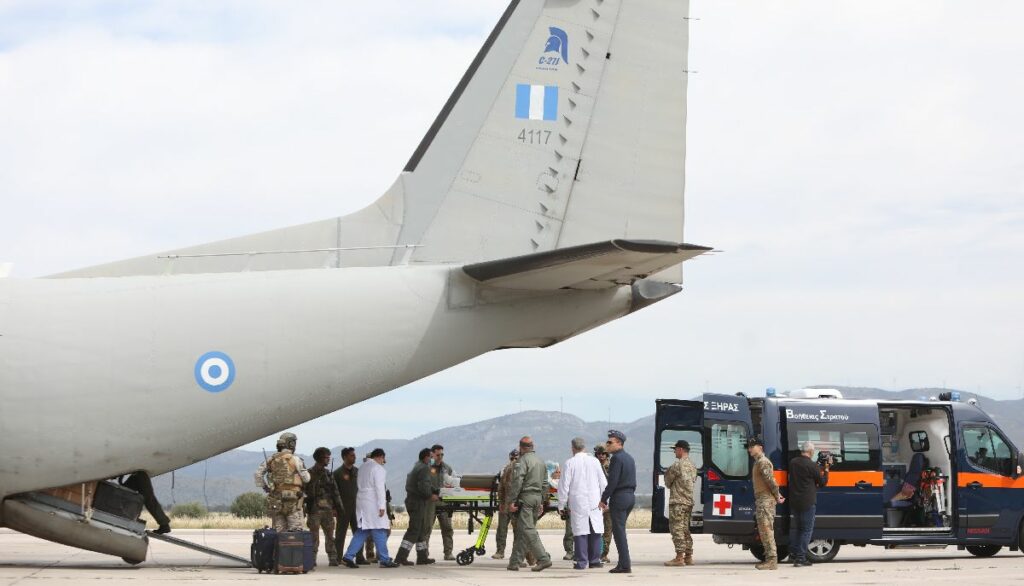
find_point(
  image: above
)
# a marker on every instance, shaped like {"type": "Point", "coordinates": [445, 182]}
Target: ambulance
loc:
{"type": "Point", "coordinates": [932, 473]}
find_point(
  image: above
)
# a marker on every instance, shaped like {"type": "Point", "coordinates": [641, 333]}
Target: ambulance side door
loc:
{"type": "Point", "coordinates": [850, 506]}
{"type": "Point", "coordinates": [728, 494]}
{"type": "Point", "coordinates": [676, 420]}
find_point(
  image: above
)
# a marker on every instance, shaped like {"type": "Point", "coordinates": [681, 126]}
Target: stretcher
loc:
{"type": "Point", "coordinates": [477, 496]}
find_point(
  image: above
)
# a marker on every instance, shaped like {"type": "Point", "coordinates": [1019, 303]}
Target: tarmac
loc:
{"type": "Point", "coordinates": [26, 560]}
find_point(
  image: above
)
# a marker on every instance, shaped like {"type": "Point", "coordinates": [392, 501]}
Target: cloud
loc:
{"type": "Point", "coordinates": [859, 164]}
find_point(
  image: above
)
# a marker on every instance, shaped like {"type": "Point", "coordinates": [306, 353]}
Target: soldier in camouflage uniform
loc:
{"type": "Point", "coordinates": [525, 500]}
{"type": "Point", "coordinates": [323, 503]}
{"type": "Point", "coordinates": [679, 479]}
{"type": "Point", "coordinates": [282, 478]}
{"type": "Point", "coordinates": [606, 539]}
{"type": "Point", "coordinates": [568, 543]}
{"type": "Point", "coordinates": [766, 496]}
{"type": "Point", "coordinates": [501, 536]}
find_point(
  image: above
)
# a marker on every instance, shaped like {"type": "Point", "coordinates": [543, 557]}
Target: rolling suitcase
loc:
{"type": "Point", "coordinates": [294, 553]}
{"type": "Point", "coordinates": [117, 500]}
{"type": "Point", "coordinates": [264, 543]}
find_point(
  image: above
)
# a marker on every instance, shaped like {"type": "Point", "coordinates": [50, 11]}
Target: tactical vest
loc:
{"type": "Point", "coordinates": [284, 475]}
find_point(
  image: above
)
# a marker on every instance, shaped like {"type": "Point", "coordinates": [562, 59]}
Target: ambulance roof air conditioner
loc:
{"type": "Point", "coordinates": [815, 394]}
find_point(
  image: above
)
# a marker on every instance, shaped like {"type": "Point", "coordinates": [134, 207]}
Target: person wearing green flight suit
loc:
{"type": "Point", "coordinates": [430, 507]}
{"type": "Point", "coordinates": [419, 493]}
{"type": "Point", "coordinates": [525, 500]}
{"type": "Point", "coordinates": [504, 479]}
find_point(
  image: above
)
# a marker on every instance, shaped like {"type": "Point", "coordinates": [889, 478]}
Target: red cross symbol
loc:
{"type": "Point", "coordinates": [723, 505]}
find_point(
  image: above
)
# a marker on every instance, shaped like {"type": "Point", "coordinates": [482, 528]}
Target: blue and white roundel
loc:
{"type": "Point", "coordinates": [215, 371]}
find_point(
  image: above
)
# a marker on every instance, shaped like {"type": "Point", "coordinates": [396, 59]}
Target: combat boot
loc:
{"type": "Point", "coordinates": [498, 555]}
{"type": "Point", "coordinates": [422, 559]}
{"type": "Point", "coordinates": [402, 558]}
{"type": "Point", "coordinates": [688, 560]}
{"type": "Point", "coordinates": [332, 561]}
{"type": "Point", "coordinates": [768, 564]}
{"type": "Point", "coordinates": [679, 560]}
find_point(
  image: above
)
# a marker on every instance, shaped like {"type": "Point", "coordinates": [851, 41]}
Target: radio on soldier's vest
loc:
{"type": "Point", "coordinates": [895, 467]}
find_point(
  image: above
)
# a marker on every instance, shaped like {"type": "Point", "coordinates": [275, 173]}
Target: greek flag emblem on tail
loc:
{"type": "Point", "coordinates": [537, 102]}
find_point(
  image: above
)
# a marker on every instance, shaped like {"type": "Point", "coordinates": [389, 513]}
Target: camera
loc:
{"type": "Point", "coordinates": [824, 458]}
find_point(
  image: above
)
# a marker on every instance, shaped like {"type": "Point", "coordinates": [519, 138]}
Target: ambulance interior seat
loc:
{"type": "Point", "coordinates": [907, 485]}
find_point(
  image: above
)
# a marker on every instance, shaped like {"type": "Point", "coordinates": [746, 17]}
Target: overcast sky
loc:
{"type": "Point", "coordinates": [859, 163]}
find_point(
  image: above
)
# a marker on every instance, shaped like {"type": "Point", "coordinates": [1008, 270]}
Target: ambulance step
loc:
{"type": "Point", "coordinates": [916, 530]}
{"type": "Point", "coordinates": [200, 548]}
{"type": "Point", "coordinates": [918, 546]}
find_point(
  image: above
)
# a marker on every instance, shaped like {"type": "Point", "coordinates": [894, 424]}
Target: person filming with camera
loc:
{"type": "Point", "coordinates": [805, 478]}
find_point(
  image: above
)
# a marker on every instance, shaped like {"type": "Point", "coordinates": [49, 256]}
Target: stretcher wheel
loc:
{"type": "Point", "coordinates": [481, 551]}
{"type": "Point", "coordinates": [464, 558]}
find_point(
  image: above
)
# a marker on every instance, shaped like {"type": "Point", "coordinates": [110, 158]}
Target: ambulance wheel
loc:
{"type": "Point", "coordinates": [758, 550]}
{"type": "Point", "coordinates": [984, 551]}
{"type": "Point", "coordinates": [822, 550]}
{"type": "Point", "coordinates": [464, 558]}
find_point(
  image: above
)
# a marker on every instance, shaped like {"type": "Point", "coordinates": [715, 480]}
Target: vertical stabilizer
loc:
{"type": "Point", "coordinates": [570, 128]}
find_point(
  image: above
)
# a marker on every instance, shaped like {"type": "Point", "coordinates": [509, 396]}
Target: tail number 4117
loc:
{"type": "Point", "coordinates": [534, 136]}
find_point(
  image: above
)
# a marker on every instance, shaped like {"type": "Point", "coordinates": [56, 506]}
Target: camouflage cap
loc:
{"type": "Point", "coordinates": [755, 441]}
{"type": "Point", "coordinates": [599, 449]}
{"type": "Point", "coordinates": [287, 437]}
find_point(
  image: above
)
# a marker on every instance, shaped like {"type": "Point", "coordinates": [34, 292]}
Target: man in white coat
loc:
{"type": "Point", "coordinates": [371, 512]}
{"type": "Point", "coordinates": [579, 490]}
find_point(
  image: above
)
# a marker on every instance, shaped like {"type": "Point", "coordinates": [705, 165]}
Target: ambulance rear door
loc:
{"type": "Point", "coordinates": [728, 494]}
{"type": "Point", "coordinates": [676, 420]}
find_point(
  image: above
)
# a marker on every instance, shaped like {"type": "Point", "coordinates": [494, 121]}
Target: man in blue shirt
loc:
{"type": "Point", "coordinates": [619, 496]}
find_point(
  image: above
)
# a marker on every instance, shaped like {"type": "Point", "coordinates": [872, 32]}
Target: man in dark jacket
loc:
{"type": "Point", "coordinates": [619, 497]}
{"type": "Point", "coordinates": [805, 478]}
{"type": "Point", "coordinates": [346, 477]}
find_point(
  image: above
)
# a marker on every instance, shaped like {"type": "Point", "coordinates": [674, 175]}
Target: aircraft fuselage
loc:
{"type": "Point", "coordinates": [103, 376]}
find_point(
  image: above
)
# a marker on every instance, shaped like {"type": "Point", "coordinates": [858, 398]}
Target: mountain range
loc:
{"type": "Point", "coordinates": [482, 447]}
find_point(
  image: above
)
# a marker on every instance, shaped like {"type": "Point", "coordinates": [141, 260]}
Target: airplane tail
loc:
{"type": "Point", "coordinates": [568, 129]}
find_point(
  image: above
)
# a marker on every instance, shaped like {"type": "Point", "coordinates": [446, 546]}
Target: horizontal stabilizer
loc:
{"type": "Point", "coordinates": [590, 266]}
